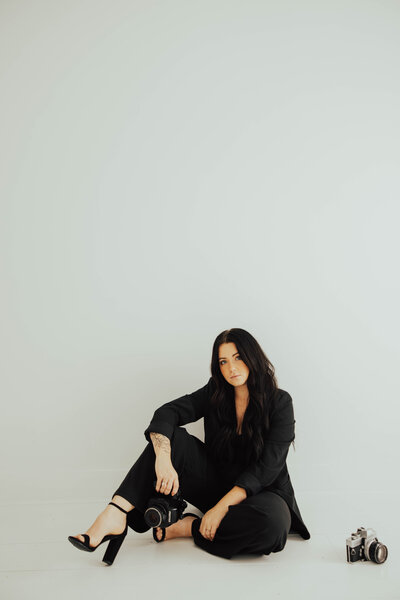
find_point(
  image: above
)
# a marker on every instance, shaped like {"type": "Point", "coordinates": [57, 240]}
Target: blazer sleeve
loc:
{"type": "Point", "coordinates": [281, 433]}
{"type": "Point", "coordinates": [186, 409]}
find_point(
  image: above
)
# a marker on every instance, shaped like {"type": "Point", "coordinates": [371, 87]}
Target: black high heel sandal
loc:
{"type": "Point", "coordinates": [188, 514]}
{"type": "Point", "coordinates": [115, 544]}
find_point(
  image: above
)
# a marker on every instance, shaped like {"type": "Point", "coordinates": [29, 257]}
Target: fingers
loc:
{"type": "Point", "coordinates": [208, 534]}
{"type": "Point", "coordinates": [162, 486]}
{"type": "Point", "coordinates": [166, 486]}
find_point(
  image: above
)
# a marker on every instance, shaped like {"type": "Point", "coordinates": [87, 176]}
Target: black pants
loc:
{"type": "Point", "coordinates": [258, 525]}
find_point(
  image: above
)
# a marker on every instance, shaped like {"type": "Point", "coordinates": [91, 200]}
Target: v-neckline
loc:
{"type": "Point", "coordinates": [236, 420]}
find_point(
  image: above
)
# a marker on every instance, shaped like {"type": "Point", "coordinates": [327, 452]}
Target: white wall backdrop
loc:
{"type": "Point", "coordinates": [170, 169]}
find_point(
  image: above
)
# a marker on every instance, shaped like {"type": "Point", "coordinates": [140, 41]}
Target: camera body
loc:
{"type": "Point", "coordinates": [164, 510]}
{"type": "Point", "coordinates": [364, 545]}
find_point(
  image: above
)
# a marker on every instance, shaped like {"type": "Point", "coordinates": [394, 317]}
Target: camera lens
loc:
{"type": "Point", "coordinates": [153, 517]}
{"type": "Point", "coordinates": [378, 552]}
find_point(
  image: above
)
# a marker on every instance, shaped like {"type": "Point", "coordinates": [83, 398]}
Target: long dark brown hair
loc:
{"type": "Point", "coordinates": [262, 385]}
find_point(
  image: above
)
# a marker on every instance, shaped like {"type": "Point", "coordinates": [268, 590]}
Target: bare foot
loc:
{"type": "Point", "coordinates": [182, 528]}
{"type": "Point", "coordinates": [110, 521]}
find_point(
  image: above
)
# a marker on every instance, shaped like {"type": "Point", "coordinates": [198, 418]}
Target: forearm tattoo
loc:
{"type": "Point", "coordinates": [160, 442]}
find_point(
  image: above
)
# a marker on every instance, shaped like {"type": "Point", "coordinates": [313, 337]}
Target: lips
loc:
{"type": "Point", "coordinates": [235, 376]}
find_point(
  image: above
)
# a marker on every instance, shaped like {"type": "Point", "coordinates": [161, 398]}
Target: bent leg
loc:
{"type": "Point", "coordinates": [137, 487]}
{"type": "Point", "coordinates": [198, 481]}
{"type": "Point", "coordinates": [258, 525]}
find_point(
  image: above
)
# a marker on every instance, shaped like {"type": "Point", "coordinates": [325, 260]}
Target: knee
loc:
{"type": "Point", "coordinates": [255, 518]}
{"type": "Point", "coordinates": [270, 528]}
{"type": "Point", "coordinates": [275, 533]}
{"type": "Point", "coordinates": [276, 525]}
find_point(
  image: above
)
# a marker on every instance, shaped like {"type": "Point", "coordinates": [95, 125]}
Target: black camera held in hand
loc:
{"type": "Point", "coordinates": [163, 510]}
{"type": "Point", "coordinates": [364, 545]}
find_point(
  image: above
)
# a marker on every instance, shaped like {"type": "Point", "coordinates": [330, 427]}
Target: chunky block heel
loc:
{"type": "Point", "coordinates": [112, 548]}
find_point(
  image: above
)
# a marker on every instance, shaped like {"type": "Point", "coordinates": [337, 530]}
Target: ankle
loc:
{"type": "Point", "coordinates": [190, 523]}
{"type": "Point", "coordinates": [122, 502]}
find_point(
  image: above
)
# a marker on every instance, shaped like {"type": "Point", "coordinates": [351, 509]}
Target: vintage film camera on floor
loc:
{"type": "Point", "coordinates": [364, 545]}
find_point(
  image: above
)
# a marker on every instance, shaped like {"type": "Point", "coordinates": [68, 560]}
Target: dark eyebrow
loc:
{"type": "Point", "coordinates": [225, 356]}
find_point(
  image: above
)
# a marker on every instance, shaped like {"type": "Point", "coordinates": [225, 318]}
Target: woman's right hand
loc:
{"type": "Point", "coordinates": [167, 477]}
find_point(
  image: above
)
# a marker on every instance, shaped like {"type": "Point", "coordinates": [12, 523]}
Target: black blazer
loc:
{"type": "Point", "coordinates": [270, 472]}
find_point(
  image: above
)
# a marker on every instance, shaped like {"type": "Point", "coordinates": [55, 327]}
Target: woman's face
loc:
{"type": "Point", "coordinates": [231, 364]}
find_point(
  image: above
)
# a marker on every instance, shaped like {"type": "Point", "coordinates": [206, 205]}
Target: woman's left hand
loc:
{"type": "Point", "coordinates": [210, 522]}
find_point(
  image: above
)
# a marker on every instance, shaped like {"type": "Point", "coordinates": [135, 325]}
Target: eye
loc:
{"type": "Point", "coordinates": [222, 361]}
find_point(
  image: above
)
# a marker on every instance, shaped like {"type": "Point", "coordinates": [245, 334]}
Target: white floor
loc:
{"type": "Point", "coordinates": [37, 561]}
